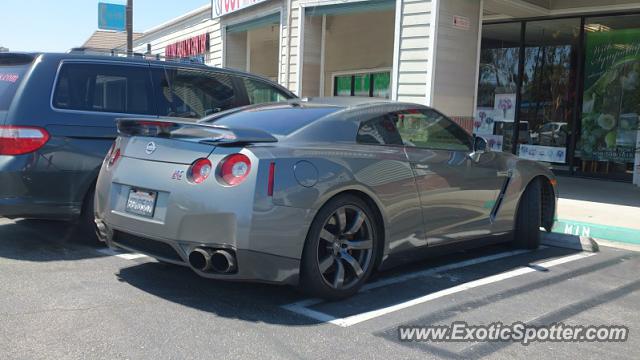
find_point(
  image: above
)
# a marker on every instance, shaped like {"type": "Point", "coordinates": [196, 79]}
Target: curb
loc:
{"type": "Point", "coordinates": [574, 242]}
{"type": "Point", "coordinates": [597, 231]}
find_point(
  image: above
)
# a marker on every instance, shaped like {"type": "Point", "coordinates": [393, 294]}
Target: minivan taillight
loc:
{"type": "Point", "coordinates": [19, 140]}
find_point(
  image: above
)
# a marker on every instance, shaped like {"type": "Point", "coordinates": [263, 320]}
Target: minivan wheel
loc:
{"type": "Point", "coordinates": [86, 227]}
{"type": "Point", "coordinates": [340, 249]}
{"type": "Point", "coordinates": [529, 217]}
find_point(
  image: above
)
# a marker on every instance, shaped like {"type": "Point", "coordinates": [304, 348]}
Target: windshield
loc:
{"type": "Point", "coordinates": [12, 69]}
{"type": "Point", "coordinates": [277, 120]}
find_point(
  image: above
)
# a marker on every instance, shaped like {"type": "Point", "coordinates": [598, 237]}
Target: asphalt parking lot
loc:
{"type": "Point", "coordinates": [62, 299]}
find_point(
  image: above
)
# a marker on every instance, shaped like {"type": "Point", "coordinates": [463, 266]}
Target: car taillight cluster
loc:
{"type": "Point", "coordinates": [232, 171]}
{"type": "Point", "coordinates": [20, 140]}
{"type": "Point", "coordinates": [113, 155]}
{"type": "Point", "coordinates": [235, 169]}
{"type": "Point", "coordinates": [199, 171]}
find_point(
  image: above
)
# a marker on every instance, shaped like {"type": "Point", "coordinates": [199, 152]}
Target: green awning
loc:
{"type": "Point", "coordinates": [353, 7]}
{"type": "Point", "coordinates": [264, 21]}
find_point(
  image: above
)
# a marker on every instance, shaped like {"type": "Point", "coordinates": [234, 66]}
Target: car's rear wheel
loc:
{"type": "Point", "coordinates": [340, 249]}
{"type": "Point", "coordinates": [529, 217]}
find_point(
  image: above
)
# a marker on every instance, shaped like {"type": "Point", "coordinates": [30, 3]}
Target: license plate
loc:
{"type": "Point", "coordinates": [141, 202]}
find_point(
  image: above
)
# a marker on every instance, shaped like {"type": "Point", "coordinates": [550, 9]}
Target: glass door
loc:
{"type": "Point", "coordinates": [499, 71]}
{"type": "Point", "coordinates": [609, 125]}
{"type": "Point", "coordinates": [548, 96]}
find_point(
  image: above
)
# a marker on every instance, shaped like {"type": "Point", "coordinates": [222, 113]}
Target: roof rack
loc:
{"type": "Point", "coordinates": [124, 53]}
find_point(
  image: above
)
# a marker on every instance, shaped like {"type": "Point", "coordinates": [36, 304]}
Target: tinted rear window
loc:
{"type": "Point", "coordinates": [12, 70]}
{"type": "Point", "coordinates": [190, 93]}
{"type": "Point", "coordinates": [104, 88]}
{"type": "Point", "coordinates": [278, 120]}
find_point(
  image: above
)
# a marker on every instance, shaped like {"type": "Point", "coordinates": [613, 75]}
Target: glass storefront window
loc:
{"type": "Point", "coordinates": [499, 59]}
{"type": "Point", "coordinates": [609, 126]}
{"type": "Point", "coordinates": [573, 92]}
{"type": "Point", "coordinates": [363, 84]}
{"type": "Point", "coordinates": [343, 85]}
{"type": "Point", "coordinates": [548, 90]}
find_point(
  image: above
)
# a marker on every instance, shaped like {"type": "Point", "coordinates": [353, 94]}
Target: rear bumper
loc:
{"type": "Point", "coordinates": [251, 265]}
{"type": "Point", "coordinates": [30, 187]}
{"type": "Point", "coordinates": [21, 207]}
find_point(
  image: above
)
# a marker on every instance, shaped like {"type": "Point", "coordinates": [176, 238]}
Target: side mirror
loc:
{"type": "Point", "coordinates": [479, 144]}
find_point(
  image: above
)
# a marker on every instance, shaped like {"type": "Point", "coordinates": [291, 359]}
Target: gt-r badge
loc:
{"type": "Point", "coordinates": [177, 175]}
{"type": "Point", "coordinates": [151, 148]}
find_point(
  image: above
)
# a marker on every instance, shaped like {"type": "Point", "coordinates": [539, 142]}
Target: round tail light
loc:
{"type": "Point", "coordinates": [235, 169]}
{"type": "Point", "coordinates": [199, 171]}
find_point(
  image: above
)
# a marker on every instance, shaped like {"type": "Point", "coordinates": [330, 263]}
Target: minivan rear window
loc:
{"type": "Point", "coordinates": [124, 89]}
{"type": "Point", "coordinates": [12, 70]}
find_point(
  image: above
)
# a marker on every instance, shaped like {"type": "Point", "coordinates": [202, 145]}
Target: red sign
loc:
{"type": "Point", "coordinates": [196, 45]}
{"type": "Point", "coordinates": [12, 78]}
{"type": "Point", "coordinates": [224, 7]}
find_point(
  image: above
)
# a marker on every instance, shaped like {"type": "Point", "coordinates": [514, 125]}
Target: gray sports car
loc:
{"type": "Point", "coordinates": [318, 192]}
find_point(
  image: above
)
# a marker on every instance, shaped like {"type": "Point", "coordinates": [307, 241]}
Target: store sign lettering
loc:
{"type": "Point", "coordinates": [224, 7]}
{"type": "Point", "coordinates": [190, 47]}
{"type": "Point", "coordinates": [12, 78]}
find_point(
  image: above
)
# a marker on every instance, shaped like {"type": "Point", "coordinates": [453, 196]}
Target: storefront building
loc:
{"type": "Point", "coordinates": [555, 81]}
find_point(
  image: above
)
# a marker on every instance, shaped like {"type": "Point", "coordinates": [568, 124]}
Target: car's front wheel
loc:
{"type": "Point", "coordinates": [340, 249]}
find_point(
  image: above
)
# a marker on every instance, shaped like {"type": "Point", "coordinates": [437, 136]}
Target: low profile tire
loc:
{"type": "Point", "coordinates": [340, 249]}
{"type": "Point", "coordinates": [87, 232]}
{"type": "Point", "coordinates": [529, 217]}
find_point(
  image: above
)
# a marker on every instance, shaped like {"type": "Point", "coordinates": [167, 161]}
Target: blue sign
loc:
{"type": "Point", "coordinates": [112, 17]}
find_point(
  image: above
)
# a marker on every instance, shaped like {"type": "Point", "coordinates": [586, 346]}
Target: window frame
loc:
{"type": "Point", "coordinates": [362, 122]}
{"type": "Point", "coordinates": [446, 118]}
{"type": "Point", "coordinates": [241, 80]}
{"type": "Point", "coordinates": [353, 73]}
{"type": "Point", "coordinates": [240, 96]}
{"type": "Point", "coordinates": [152, 101]}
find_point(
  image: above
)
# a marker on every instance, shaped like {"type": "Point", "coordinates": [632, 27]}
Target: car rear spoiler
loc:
{"type": "Point", "coordinates": [192, 131]}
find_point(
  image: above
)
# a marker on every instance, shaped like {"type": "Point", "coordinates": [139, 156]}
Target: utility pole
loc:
{"type": "Point", "coordinates": [129, 27]}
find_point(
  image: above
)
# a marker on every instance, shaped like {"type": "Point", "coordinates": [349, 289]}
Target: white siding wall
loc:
{"type": "Point", "coordinates": [290, 44]}
{"type": "Point", "coordinates": [414, 57]}
{"type": "Point", "coordinates": [196, 25]}
{"type": "Point", "coordinates": [312, 55]}
{"type": "Point", "coordinates": [456, 59]}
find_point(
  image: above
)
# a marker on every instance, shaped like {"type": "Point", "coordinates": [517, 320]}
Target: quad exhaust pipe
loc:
{"type": "Point", "coordinates": [216, 260]}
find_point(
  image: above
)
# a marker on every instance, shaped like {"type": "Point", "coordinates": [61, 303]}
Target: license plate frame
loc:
{"type": "Point", "coordinates": [141, 202]}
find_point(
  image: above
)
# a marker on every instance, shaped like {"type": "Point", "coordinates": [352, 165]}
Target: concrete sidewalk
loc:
{"type": "Point", "coordinates": [599, 209]}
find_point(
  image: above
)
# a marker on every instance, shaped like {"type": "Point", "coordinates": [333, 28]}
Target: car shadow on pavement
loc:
{"type": "Point", "coordinates": [253, 302]}
{"type": "Point", "coordinates": [261, 302]}
{"type": "Point", "coordinates": [42, 241]}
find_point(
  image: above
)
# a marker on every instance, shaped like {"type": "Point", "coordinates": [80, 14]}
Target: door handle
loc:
{"type": "Point", "coordinates": [420, 166]}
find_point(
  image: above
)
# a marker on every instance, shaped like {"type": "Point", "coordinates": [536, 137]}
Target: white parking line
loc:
{"type": "Point", "coordinates": [126, 256]}
{"type": "Point", "coordinates": [302, 307]}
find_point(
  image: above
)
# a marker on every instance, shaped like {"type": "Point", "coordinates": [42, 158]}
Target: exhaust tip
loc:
{"type": "Point", "coordinates": [200, 259]}
{"type": "Point", "coordinates": [223, 262]}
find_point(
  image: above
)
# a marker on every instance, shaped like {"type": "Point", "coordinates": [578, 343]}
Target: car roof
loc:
{"type": "Point", "coordinates": [141, 60]}
{"type": "Point", "coordinates": [341, 104]}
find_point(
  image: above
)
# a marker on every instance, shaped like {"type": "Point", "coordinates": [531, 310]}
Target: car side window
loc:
{"type": "Point", "coordinates": [260, 92]}
{"type": "Point", "coordinates": [380, 130]}
{"type": "Point", "coordinates": [192, 93]}
{"type": "Point", "coordinates": [425, 128]}
{"type": "Point", "coordinates": [104, 88]}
